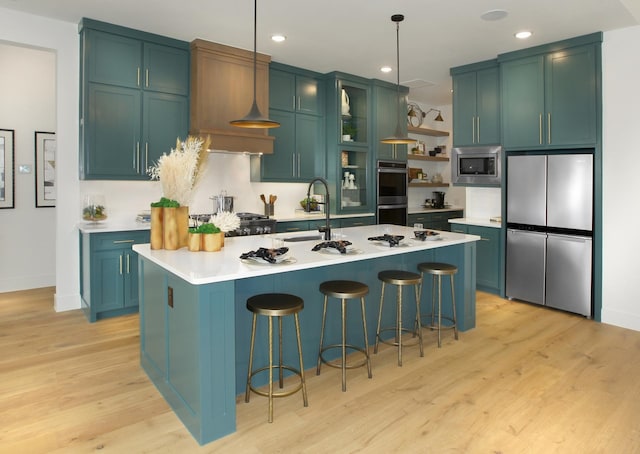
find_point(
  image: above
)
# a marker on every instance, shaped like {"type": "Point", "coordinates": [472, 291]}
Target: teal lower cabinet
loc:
{"type": "Point", "coordinates": [357, 221]}
{"type": "Point", "coordinates": [109, 273]}
{"type": "Point", "coordinates": [436, 221]}
{"type": "Point", "coordinates": [489, 257]}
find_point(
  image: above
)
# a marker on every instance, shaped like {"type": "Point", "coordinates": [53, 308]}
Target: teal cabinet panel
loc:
{"type": "Point", "coordinates": [292, 226]}
{"type": "Point", "coordinates": [489, 256]}
{"type": "Point", "coordinates": [357, 222]}
{"type": "Point", "coordinates": [153, 318]}
{"type": "Point", "coordinates": [295, 101]}
{"type": "Point", "coordinates": [488, 106]}
{"type": "Point", "coordinates": [476, 105]}
{"type": "Point", "coordinates": [435, 221]}
{"type": "Point", "coordinates": [165, 119]}
{"type": "Point", "coordinates": [109, 273]}
{"type": "Point", "coordinates": [390, 110]}
{"type": "Point", "coordinates": [113, 59]}
{"type": "Point", "coordinates": [134, 100]}
{"type": "Point", "coordinates": [112, 148]}
{"type": "Point", "coordinates": [295, 92]}
{"type": "Point", "coordinates": [464, 109]}
{"type": "Point", "coordinates": [570, 97]}
{"type": "Point", "coordinates": [551, 100]}
{"type": "Point", "coordinates": [166, 69]}
{"type": "Point", "coordinates": [522, 83]}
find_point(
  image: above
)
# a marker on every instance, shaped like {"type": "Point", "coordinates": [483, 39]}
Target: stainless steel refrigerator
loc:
{"type": "Point", "coordinates": [549, 230]}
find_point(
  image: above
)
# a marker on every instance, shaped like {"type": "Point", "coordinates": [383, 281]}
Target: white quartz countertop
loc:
{"type": "Point", "coordinates": [209, 267]}
{"type": "Point", "coordinates": [481, 222]}
{"type": "Point", "coordinates": [112, 226]}
{"type": "Point", "coordinates": [422, 209]}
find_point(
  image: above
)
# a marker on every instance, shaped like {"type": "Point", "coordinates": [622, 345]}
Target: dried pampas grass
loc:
{"type": "Point", "coordinates": [180, 171]}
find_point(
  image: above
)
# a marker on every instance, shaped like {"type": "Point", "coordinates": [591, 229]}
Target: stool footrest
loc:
{"type": "Point", "coordinates": [435, 318]}
{"type": "Point", "coordinates": [279, 394]}
{"type": "Point", "coordinates": [394, 342]}
{"type": "Point", "coordinates": [338, 365]}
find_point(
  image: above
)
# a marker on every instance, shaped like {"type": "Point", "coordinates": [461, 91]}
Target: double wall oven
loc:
{"type": "Point", "coordinates": [391, 200]}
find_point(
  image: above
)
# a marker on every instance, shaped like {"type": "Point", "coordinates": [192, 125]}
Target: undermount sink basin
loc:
{"type": "Point", "coordinates": [303, 238]}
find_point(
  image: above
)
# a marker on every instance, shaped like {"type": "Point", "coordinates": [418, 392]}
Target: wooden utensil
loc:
{"type": "Point", "coordinates": [263, 199]}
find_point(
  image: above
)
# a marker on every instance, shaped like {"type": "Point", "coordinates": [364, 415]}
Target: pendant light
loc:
{"type": "Point", "coordinates": [398, 138]}
{"type": "Point", "coordinates": [255, 119]}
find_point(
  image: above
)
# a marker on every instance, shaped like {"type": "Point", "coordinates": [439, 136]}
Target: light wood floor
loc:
{"type": "Point", "coordinates": [525, 380]}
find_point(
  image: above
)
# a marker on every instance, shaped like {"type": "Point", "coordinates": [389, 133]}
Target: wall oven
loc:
{"type": "Point", "coordinates": [391, 200]}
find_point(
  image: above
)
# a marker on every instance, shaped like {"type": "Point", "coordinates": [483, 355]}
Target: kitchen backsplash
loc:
{"type": "Point", "coordinates": [482, 203]}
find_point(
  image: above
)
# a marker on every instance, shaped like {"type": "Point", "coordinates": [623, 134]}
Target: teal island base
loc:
{"type": "Point", "coordinates": [194, 339]}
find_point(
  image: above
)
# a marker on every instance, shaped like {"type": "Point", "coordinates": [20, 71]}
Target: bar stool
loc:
{"type": "Point", "coordinates": [275, 305]}
{"type": "Point", "coordinates": [344, 290]}
{"type": "Point", "coordinates": [399, 278]}
{"type": "Point", "coordinates": [437, 270]}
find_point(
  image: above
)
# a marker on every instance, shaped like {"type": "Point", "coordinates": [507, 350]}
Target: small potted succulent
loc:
{"type": "Point", "coordinates": [206, 237]}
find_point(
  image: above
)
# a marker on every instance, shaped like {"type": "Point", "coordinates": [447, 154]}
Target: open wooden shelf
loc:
{"type": "Point", "coordinates": [428, 185]}
{"type": "Point", "coordinates": [424, 157]}
{"type": "Point", "coordinates": [427, 132]}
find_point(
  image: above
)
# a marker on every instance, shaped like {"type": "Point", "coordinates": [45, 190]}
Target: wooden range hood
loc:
{"type": "Point", "coordinates": [222, 90]}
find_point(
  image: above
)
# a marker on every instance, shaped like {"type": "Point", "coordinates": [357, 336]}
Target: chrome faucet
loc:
{"type": "Point", "coordinates": [327, 206]}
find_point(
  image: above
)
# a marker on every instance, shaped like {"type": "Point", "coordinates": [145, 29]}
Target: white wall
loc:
{"type": "Point", "coordinates": [62, 39]}
{"type": "Point", "coordinates": [27, 91]}
{"type": "Point", "coordinates": [621, 161]}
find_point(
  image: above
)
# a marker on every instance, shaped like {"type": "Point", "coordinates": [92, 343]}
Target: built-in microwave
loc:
{"type": "Point", "coordinates": [476, 166]}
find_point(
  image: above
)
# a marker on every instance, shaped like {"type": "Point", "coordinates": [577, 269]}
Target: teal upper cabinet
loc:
{"type": "Point", "coordinates": [349, 149]}
{"type": "Point", "coordinates": [134, 93]}
{"type": "Point", "coordinates": [293, 91]}
{"type": "Point", "coordinates": [476, 104]}
{"type": "Point", "coordinates": [296, 101]}
{"type": "Point", "coordinates": [550, 95]}
{"type": "Point", "coordinates": [389, 108]}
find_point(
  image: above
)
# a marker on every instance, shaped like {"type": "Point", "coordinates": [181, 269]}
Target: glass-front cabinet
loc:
{"type": "Point", "coordinates": [349, 160]}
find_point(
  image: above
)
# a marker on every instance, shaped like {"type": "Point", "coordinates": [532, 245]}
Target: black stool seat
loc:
{"type": "Point", "coordinates": [437, 270]}
{"type": "Point", "coordinates": [399, 278]}
{"type": "Point", "coordinates": [344, 290]}
{"type": "Point", "coordinates": [276, 305]}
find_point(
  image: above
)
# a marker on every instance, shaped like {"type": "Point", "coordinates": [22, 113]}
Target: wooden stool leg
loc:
{"type": "Point", "coordinates": [366, 342]}
{"type": "Point", "coordinates": [253, 338]}
{"type": "Point", "coordinates": [324, 319]}
{"type": "Point", "coordinates": [304, 383]}
{"type": "Point", "coordinates": [375, 349]}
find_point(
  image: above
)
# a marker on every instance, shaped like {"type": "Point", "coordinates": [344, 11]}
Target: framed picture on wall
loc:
{"type": "Point", "coordinates": [7, 164]}
{"type": "Point", "coordinates": [45, 169]}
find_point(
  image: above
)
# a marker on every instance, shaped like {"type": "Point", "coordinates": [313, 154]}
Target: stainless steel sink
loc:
{"type": "Point", "coordinates": [303, 238]}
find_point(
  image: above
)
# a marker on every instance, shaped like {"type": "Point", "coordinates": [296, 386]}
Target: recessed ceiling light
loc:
{"type": "Point", "coordinates": [523, 34]}
{"type": "Point", "coordinates": [386, 69]}
{"type": "Point", "coordinates": [278, 38]}
{"type": "Point", "coordinates": [494, 14]}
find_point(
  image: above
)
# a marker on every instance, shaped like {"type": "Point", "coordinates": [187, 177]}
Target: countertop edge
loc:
{"type": "Point", "coordinates": [476, 221]}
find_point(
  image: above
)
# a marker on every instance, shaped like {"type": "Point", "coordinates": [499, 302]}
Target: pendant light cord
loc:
{"type": "Point", "coordinates": [255, 47]}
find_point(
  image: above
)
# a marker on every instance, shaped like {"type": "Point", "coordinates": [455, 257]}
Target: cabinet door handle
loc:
{"type": "Point", "coordinates": [473, 129]}
{"type": "Point", "coordinates": [136, 163]}
{"type": "Point", "coordinates": [298, 163]}
{"type": "Point", "coordinates": [120, 260]}
{"type": "Point", "coordinates": [293, 164]}
{"type": "Point", "coordinates": [478, 128]}
{"type": "Point", "coordinates": [146, 156]}
{"type": "Point", "coordinates": [296, 98]}
{"type": "Point", "coordinates": [128, 264]}
{"type": "Point", "coordinates": [122, 241]}
{"type": "Point", "coordinates": [549, 127]}
{"type": "Point", "coordinates": [146, 77]}
{"type": "Point", "coordinates": [540, 128]}
{"type": "Point", "coordinates": [484, 239]}
{"type": "Point", "coordinates": [138, 77]}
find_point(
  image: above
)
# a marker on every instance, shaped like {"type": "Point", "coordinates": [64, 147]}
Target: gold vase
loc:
{"type": "Point", "coordinates": [175, 224]}
{"type": "Point", "coordinates": [195, 240]}
{"type": "Point", "coordinates": [156, 235]}
{"type": "Point", "coordinates": [212, 242]}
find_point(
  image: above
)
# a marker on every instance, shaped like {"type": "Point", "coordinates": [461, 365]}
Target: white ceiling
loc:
{"type": "Point", "coordinates": [358, 36]}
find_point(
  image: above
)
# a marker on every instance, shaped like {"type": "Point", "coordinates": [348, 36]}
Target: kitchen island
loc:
{"type": "Point", "coordinates": [195, 328]}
